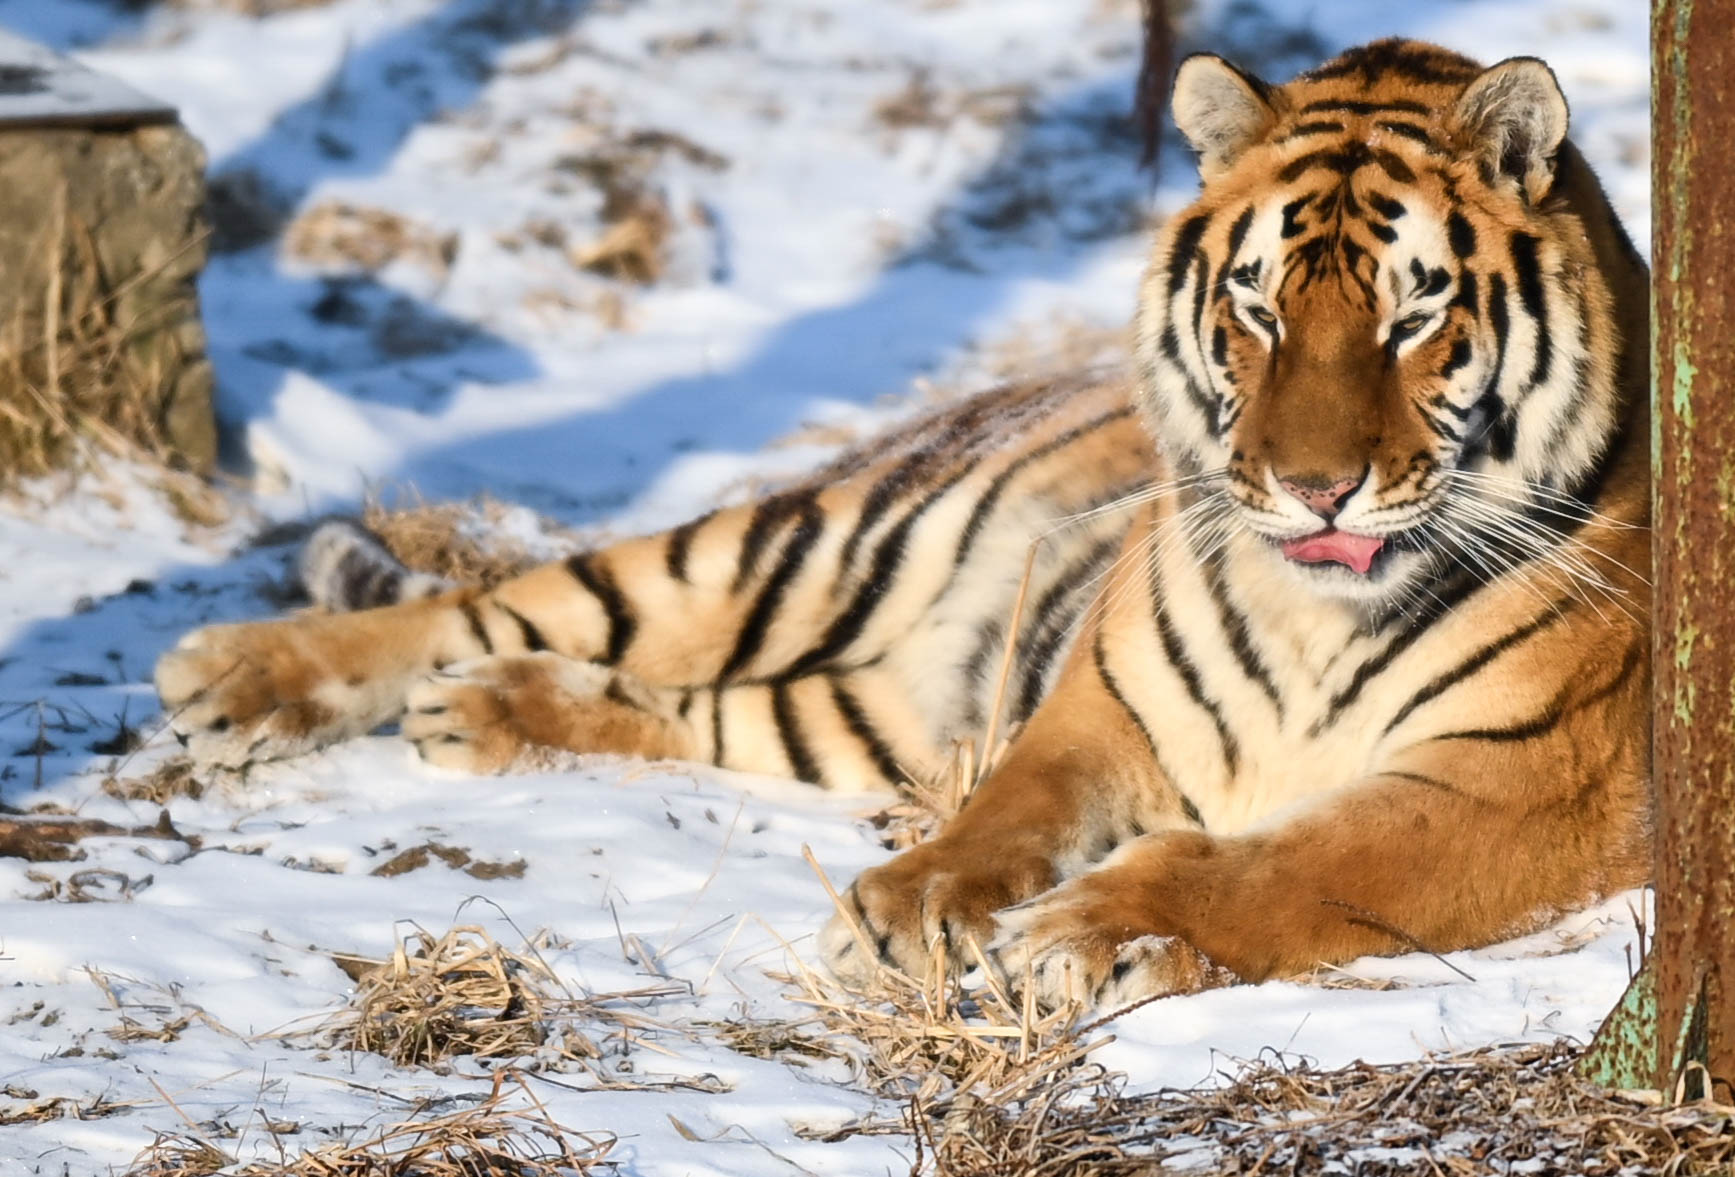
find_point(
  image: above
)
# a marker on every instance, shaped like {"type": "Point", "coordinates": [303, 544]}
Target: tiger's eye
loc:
{"type": "Point", "coordinates": [1410, 324]}
{"type": "Point", "coordinates": [1262, 316]}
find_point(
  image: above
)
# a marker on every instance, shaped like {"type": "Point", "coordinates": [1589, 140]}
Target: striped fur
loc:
{"type": "Point", "coordinates": [1400, 322]}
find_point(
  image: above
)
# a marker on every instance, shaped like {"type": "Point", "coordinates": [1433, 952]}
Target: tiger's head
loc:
{"type": "Point", "coordinates": [1380, 337]}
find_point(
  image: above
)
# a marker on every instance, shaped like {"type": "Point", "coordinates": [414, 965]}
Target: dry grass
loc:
{"type": "Point", "coordinates": [172, 778]}
{"type": "Point", "coordinates": [252, 8]}
{"type": "Point", "coordinates": [336, 236]}
{"type": "Point", "coordinates": [455, 857]}
{"type": "Point", "coordinates": [77, 385]}
{"type": "Point", "coordinates": [920, 103]}
{"type": "Point", "coordinates": [465, 994]}
{"type": "Point", "coordinates": [485, 1139]}
{"type": "Point", "coordinates": [920, 1042]}
{"type": "Point", "coordinates": [462, 542]}
{"type": "Point", "coordinates": [1487, 1112]}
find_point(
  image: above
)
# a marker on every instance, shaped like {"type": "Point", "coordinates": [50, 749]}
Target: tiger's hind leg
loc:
{"type": "Point", "coordinates": [519, 712]}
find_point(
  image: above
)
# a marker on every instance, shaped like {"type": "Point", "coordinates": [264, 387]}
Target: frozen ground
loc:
{"type": "Point", "coordinates": [857, 196]}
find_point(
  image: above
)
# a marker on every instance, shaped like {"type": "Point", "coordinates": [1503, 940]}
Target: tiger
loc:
{"type": "Point", "coordinates": [1322, 626]}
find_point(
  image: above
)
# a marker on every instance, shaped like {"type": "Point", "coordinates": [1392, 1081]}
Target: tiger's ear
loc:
{"type": "Point", "coordinates": [1220, 110]}
{"type": "Point", "coordinates": [1513, 118]}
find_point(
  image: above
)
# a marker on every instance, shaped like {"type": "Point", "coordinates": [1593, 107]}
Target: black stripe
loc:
{"type": "Point", "coordinates": [615, 693]}
{"type": "Point", "coordinates": [1499, 430]}
{"type": "Point", "coordinates": [991, 496]}
{"type": "Point", "coordinates": [477, 629]}
{"type": "Point", "coordinates": [1479, 659]}
{"type": "Point", "coordinates": [1384, 232]}
{"type": "Point", "coordinates": [1529, 277]}
{"type": "Point", "coordinates": [1340, 161]}
{"type": "Point", "coordinates": [1407, 130]}
{"type": "Point", "coordinates": [533, 640]}
{"type": "Point", "coordinates": [1315, 127]}
{"type": "Point", "coordinates": [1189, 810]}
{"type": "Point", "coordinates": [681, 545]}
{"type": "Point", "coordinates": [1442, 603]}
{"type": "Point", "coordinates": [1554, 714]}
{"type": "Point", "coordinates": [1291, 226]}
{"type": "Point", "coordinates": [1235, 628]}
{"type": "Point", "coordinates": [717, 726]}
{"type": "Point", "coordinates": [1419, 779]}
{"type": "Point", "coordinates": [1237, 235]}
{"type": "Point", "coordinates": [1183, 666]}
{"type": "Point", "coordinates": [856, 719]}
{"type": "Point", "coordinates": [1466, 296]}
{"type": "Point", "coordinates": [685, 705]}
{"type": "Point", "coordinates": [1459, 356]}
{"type": "Point", "coordinates": [1394, 166]}
{"type": "Point", "coordinates": [1460, 234]}
{"type": "Point", "coordinates": [1199, 290]}
{"type": "Point", "coordinates": [847, 626]}
{"type": "Point", "coordinates": [768, 515]}
{"type": "Point", "coordinates": [1388, 208]}
{"type": "Point", "coordinates": [1366, 108]}
{"type": "Point", "coordinates": [809, 526]}
{"type": "Point", "coordinates": [600, 583]}
{"type": "Point", "coordinates": [1186, 241]}
{"type": "Point", "coordinates": [1114, 690]}
{"type": "Point", "coordinates": [1044, 636]}
{"type": "Point", "coordinates": [878, 499]}
{"type": "Point", "coordinates": [789, 732]}
{"type": "Point", "coordinates": [1441, 430]}
{"type": "Point", "coordinates": [1440, 402]}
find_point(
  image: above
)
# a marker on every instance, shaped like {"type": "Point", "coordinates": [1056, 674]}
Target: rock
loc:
{"type": "Point", "coordinates": [102, 238]}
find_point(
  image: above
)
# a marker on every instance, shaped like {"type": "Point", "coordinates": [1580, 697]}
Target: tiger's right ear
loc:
{"type": "Point", "coordinates": [1220, 110]}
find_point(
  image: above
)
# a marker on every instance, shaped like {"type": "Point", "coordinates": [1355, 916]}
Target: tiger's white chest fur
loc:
{"type": "Point", "coordinates": [1258, 695]}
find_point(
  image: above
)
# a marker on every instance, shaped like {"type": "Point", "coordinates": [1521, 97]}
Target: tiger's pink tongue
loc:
{"type": "Point", "coordinates": [1332, 546]}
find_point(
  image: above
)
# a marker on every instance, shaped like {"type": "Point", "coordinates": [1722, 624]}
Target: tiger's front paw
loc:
{"type": "Point", "coordinates": [1080, 945]}
{"type": "Point", "coordinates": [932, 900]}
{"type": "Point", "coordinates": [265, 690]}
{"type": "Point", "coordinates": [527, 712]}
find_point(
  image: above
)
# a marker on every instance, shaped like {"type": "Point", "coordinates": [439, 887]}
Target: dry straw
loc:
{"type": "Point", "coordinates": [1499, 1110]}
{"type": "Point", "coordinates": [74, 382]}
{"type": "Point", "coordinates": [464, 994]}
{"type": "Point", "coordinates": [462, 542]}
{"type": "Point", "coordinates": [484, 1139]}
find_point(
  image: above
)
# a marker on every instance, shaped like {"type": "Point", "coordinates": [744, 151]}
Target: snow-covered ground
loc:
{"type": "Point", "coordinates": [858, 196]}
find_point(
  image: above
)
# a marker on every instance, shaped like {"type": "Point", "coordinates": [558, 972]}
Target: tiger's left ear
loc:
{"type": "Point", "coordinates": [1513, 117]}
{"type": "Point", "coordinates": [1221, 111]}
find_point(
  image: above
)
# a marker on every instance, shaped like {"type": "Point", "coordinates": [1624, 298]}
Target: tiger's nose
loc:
{"type": "Point", "coordinates": [1323, 496]}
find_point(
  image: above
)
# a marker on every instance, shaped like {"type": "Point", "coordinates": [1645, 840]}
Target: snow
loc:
{"type": "Point", "coordinates": [827, 250]}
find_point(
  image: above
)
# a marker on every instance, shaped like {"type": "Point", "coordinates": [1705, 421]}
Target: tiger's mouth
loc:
{"type": "Point", "coordinates": [1331, 546]}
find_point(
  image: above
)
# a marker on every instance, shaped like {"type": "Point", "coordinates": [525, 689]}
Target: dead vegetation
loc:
{"type": "Point", "coordinates": [336, 236]}
{"type": "Point", "coordinates": [464, 994]}
{"type": "Point", "coordinates": [171, 778]}
{"type": "Point", "coordinates": [251, 8]}
{"type": "Point", "coordinates": [56, 838]}
{"type": "Point", "coordinates": [921, 103]}
{"type": "Point", "coordinates": [463, 542]}
{"type": "Point", "coordinates": [1498, 1110]}
{"type": "Point", "coordinates": [455, 858]}
{"type": "Point", "coordinates": [84, 378]}
{"type": "Point", "coordinates": [489, 1138]}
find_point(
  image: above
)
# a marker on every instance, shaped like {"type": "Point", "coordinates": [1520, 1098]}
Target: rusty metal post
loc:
{"type": "Point", "coordinates": [1693, 467]}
